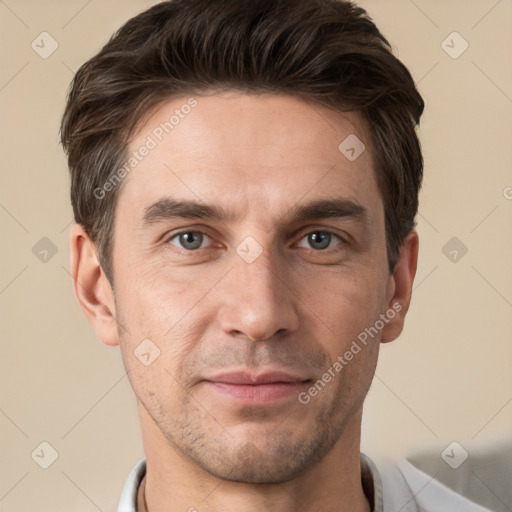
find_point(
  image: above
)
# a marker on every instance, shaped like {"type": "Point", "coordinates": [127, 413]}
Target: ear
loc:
{"type": "Point", "coordinates": [400, 287]}
{"type": "Point", "coordinates": [91, 286]}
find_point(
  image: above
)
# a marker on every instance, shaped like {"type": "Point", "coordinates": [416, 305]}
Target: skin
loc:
{"type": "Point", "coordinates": [295, 308]}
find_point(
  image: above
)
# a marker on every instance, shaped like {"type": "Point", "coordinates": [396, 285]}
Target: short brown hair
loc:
{"type": "Point", "coordinates": [329, 51]}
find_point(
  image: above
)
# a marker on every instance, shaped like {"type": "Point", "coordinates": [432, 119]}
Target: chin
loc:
{"type": "Point", "coordinates": [272, 463]}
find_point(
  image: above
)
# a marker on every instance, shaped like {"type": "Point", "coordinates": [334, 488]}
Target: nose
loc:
{"type": "Point", "coordinates": [258, 301]}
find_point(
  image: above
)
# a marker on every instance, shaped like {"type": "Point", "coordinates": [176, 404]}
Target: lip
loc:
{"type": "Point", "coordinates": [249, 378]}
{"type": "Point", "coordinates": [247, 388]}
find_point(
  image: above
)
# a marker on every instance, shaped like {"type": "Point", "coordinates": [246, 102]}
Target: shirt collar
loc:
{"type": "Point", "coordinates": [372, 483]}
{"type": "Point", "coordinates": [370, 479]}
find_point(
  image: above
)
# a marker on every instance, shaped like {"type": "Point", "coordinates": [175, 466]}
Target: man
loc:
{"type": "Point", "coordinates": [245, 180]}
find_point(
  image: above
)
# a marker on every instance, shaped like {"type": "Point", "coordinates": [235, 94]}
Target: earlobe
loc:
{"type": "Point", "coordinates": [92, 289]}
{"type": "Point", "coordinates": [400, 289]}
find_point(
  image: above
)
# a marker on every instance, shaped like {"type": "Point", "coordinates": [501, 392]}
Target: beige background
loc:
{"type": "Point", "coordinates": [448, 378]}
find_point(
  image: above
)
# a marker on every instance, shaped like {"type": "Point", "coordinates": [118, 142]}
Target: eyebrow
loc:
{"type": "Point", "coordinates": [167, 208]}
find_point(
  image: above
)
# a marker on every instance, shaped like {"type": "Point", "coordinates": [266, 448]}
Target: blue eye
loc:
{"type": "Point", "coordinates": [190, 240]}
{"type": "Point", "coordinates": [194, 240]}
{"type": "Point", "coordinates": [320, 240]}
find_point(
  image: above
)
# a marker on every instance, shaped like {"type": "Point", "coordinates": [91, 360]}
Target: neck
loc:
{"type": "Point", "coordinates": [174, 483]}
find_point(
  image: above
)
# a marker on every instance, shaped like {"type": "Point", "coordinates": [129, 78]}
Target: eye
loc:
{"type": "Point", "coordinates": [194, 240]}
{"type": "Point", "coordinates": [320, 240]}
{"type": "Point", "coordinates": [189, 240]}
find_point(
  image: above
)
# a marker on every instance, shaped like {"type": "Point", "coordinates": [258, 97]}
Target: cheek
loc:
{"type": "Point", "coordinates": [153, 295]}
{"type": "Point", "coordinates": [347, 304]}
{"type": "Point", "coordinates": [166, 308]}
{"type": "Point", "coordinates": [159, 337]}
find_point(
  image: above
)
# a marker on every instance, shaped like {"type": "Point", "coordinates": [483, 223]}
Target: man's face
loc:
{"type": "Point", "coordinates": [270, 291]}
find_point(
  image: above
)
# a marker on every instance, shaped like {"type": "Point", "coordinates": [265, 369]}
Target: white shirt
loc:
{"type": "Point", "coordinates": [398, 487]}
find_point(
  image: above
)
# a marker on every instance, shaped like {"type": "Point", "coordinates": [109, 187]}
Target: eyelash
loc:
{"type": "Point", "coordinates": [197, 231]}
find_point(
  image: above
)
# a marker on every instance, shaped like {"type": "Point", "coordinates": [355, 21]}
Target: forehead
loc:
{"type": "Point", "coordinates": [256, 153]}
